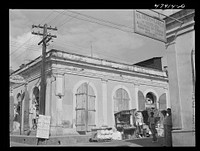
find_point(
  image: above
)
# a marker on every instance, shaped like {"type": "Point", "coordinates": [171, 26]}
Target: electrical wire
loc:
{"type": "Point", "coordinates": [99, 19]}
{"type": "Point", "coordinates": [29, 38]}
{"type": "Point", "coordinates": [97, 23]}
{"type": "Point", "coordinates": [47, 16]}
{"type": "Point", "coordinates": [66, 21]}
{"type": "Point", "coordinates": [98, 51]}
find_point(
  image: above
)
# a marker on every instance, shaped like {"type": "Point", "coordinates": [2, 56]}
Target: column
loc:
{"type": "Point", "coordinates": [168, 104]}
{"type": "Point", "coordinates": [174, 86]}
{"type": "Point", "coordinates": [104, 98]}
{"type": "Point", "coordinates": [48, 98]}
{"type": "Point", "coordinates": [59, 97]}
{"type": "Point", "coordinates": [136, 95]}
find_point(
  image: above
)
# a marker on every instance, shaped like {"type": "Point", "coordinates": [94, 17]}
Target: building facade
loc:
{"type": "Point", "coordinates": [181, 70]}
{"type": "Point", "coordinates": [85, 92]}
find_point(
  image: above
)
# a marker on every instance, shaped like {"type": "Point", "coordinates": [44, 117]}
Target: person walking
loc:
{"type": "Point", "coordinates": [152, 123]}
{"type": "Point", "coordinates": [168, 128]}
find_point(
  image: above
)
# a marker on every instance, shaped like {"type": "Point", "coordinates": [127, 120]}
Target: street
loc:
{"type": "Point", "coordinates": [142, 142]}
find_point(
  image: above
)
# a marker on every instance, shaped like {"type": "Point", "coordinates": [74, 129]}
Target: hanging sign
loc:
{"type": "Point", "coordinates": [43, 126]}
{"type": "Point", "coordinates": [149, 26]}
{"type": "Point", "coordinates": [17, 79]}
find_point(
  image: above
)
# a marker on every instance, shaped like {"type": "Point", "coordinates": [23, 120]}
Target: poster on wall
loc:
{"type": "Point", "coordinates": [43, 126]}
{"type": "Point", "coordinates": [149, 26]}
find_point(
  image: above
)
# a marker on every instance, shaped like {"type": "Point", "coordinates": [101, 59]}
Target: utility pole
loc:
{"type": "Point", "coordinates": [46, 38]}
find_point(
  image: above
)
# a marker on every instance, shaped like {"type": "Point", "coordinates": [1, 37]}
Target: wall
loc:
{"type": "Point", "coordinates": [99, 81]}
{"type": "Point", "coordinates": [183, 50]}
{"type": "Point", "coordinates": [180, 78]}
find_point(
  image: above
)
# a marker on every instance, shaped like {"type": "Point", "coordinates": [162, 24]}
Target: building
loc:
{"type": "Point", "coordinates": [181, 72]}
{"type": "Point", "coordinates": [153, 63]}
{"type": "Point", "coordinates": [84, 92]}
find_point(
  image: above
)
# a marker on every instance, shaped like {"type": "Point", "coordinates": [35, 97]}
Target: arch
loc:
{"type": "Point", "coordinates": [76, 86]}
{"type": "Point", "coordinates": [152, 91]}
{"type": "Point", "coordinates": [113, 93]}
{"type": "Point", "coordinates": [36, 92]}
{"type": "Point", "coordinates": [31, 92]}
{"type": "Point", "coordinates": [121, 100]}
{"type": "Point", "coordinates": [33, 89]}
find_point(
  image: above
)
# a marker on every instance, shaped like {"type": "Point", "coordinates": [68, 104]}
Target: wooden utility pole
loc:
{"type": "Point", "coordinates": [46, 38]}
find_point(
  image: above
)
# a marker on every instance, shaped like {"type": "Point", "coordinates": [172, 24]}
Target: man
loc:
{"type": "Point", "coordinates": [168, 128]}
{"type": "Point", "coordinates": [152, 123]}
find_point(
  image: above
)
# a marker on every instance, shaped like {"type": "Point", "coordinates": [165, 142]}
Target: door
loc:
{"type": "Point", "coordinates": [85, 108]}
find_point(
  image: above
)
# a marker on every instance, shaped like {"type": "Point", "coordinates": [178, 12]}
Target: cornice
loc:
{"type": "Point", "coordinates": [108, 77]}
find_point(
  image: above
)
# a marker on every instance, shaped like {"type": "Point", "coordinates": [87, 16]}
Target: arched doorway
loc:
{"type": "Point", "coordinates": [34, 107]}
{"type": "Point", "coordinates": [121, 100]}
{"type": "Point", "coordinates": [85, 108]}
{"type": "Point", "coordinates": [150, 100]}
{"type": "Point", "coordinates": [17, 113]}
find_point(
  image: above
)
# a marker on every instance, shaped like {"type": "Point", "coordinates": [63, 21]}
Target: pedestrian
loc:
{"type": "Point", "coordinates": [152, 123]}
{"type": "Point", "coordinates": [139, 124]}
{"type": "Point", "coordinates": [168, 128]}
{"type": "Point", "coordinates": [163, 124]}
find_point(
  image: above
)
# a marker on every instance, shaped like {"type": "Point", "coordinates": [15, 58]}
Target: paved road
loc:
{"type": "Point", "coordinates": [145, 142]}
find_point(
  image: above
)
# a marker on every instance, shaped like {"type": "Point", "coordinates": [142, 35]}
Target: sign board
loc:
{"type": "Point", "coordinates": [43, 126]}
{"type": "Point", "coordinates": [149, 26]}
{"type": "Point", "coordinates": [17, 79]}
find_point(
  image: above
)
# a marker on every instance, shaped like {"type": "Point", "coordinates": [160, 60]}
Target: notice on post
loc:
{"type": "Point", "coordinates": [149, 26]}
{"type": "Point", "coordinates": [43, 126]}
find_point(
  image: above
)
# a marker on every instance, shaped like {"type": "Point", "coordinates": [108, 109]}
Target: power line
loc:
{"type": "Point", "coordinates": [27, 46]}
{"type": "Point", "coordinates": [21, 46]}
{"type": "Point", "coordinates": [98, 51]}
{"type": "Point", "coordinates": [47, 16]}
{"type": "Point", "coordinates": [66, 21]}
{"type": "Point", "coordinates": [53, 18]}
{"type": "Point", "coordinates": [99, 19]}
{"type": "Point", "coordinates": [31, 37]}
{"type": "Point", "coordinates": [96, 23]}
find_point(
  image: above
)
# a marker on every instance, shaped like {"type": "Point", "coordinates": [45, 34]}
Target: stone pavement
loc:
{"type": "Point", "coordinates": [142, 142]}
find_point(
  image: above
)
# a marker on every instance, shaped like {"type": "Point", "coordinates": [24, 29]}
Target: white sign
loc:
{"type": "Point", "coordinates": [17, 79]}
{"type": "Point", "coordinates": [149, 26]}
{"type": "Point", "coordinates": [43, 126]}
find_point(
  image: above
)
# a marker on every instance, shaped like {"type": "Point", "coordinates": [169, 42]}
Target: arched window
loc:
{"type": "Point", "coordinates": [85, 108]}
{"type": "Point", "coordinates": [121, 100]}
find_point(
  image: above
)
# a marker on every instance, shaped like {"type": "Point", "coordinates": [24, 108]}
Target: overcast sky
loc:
{"type": "Point", "coordinates": [80, 36]}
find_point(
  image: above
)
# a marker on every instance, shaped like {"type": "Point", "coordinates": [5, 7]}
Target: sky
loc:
{"type": "Point", "coordinates": [112, 40]}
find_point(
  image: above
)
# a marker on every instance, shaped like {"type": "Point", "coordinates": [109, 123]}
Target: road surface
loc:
{"type": "Point", "coordinates": [142, 142]}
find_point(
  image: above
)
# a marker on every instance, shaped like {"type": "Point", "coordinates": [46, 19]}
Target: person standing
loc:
{"type": "Point", "coordinates": [168, 128]}
{"type": "Point", "coordinates": [152, 123]}
{"type": "Point", "coordinates": [163, 124]}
